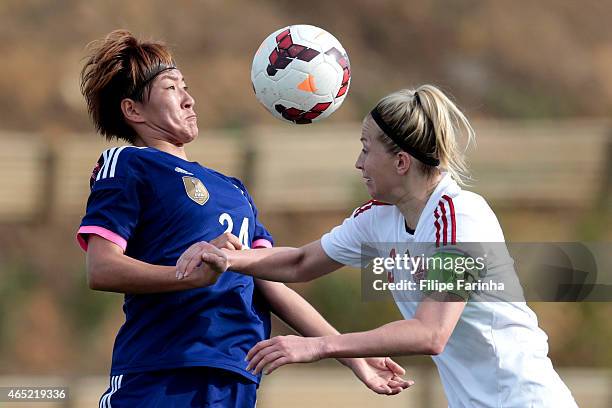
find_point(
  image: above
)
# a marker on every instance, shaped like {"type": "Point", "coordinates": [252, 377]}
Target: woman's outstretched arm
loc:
{"type": "Point", "coordinates": [426, 333]}
{"type": "Point", "coordinates": [281, 264]}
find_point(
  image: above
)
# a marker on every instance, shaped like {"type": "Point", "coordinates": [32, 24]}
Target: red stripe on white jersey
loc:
{"type": "Point", "coordinates": [363, 208]}
{"type": "Point", "coordinates": [453, 220]}
{"type": "Point", "coordinates": [366, 206]}
{"type": "Point", "coordinates": [444, 222]}
{"type": "Point", "coordinates": [437, 224]}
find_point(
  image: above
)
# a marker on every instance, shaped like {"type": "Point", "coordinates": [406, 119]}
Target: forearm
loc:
{"type": "Point", "coordinates": [110, 270]}
{"type": "Point", "coordinates": [278, 264]}
{"type": "Point", "coordinates": [403, 337]}
{"type": "Point", "coordinates": [283, 264]}
{"type": "Point", "coordinates": [123, 274]}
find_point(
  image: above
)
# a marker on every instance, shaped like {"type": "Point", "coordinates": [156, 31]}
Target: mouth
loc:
{"type": "Point", "coordinates": [191, 117]}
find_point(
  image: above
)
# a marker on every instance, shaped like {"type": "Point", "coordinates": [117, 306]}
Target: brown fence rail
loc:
{"type": "Point", "coordinates": [563, 164]}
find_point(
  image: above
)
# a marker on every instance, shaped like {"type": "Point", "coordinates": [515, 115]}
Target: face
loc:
{"type": "Point", "coordinates": [169, 109]}
{"type": "Point", "coordinates": [377, 166]}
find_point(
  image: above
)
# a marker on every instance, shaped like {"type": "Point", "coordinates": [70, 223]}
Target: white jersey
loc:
{"type": "Point", "coordinates": [497, 354]}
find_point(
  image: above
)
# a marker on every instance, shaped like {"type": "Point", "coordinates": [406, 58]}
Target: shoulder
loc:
{"type": "Point", "coordinates": [370, 208]}
{"type": "Point", "coordinates": [228, 182]}
{"type": "Point", "coordinates": [236, 182]}
{"type": "Point", "coordinates": [233, 180]}
{"type": "Point", "coordinates": [116, 162]}
{"type": "Point", "coordinates": [371, 219]}
{"type": "Point", "coordinates": [464, 216]}
{"type": "Point", "coordinates": [470, 205]}
{"type": "Point", "coordinates": [463, 203]}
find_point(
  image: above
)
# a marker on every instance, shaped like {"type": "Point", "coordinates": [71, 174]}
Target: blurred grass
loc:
{"type": "Point", "coordinates": [18, 280]}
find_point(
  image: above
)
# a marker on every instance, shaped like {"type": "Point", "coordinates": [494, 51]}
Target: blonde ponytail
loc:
{"type": "Point", "coordinates": [430, 124]}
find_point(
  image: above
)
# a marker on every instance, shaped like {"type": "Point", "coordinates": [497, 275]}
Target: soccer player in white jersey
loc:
{"type": "Point", "coordinates": [488, 354]}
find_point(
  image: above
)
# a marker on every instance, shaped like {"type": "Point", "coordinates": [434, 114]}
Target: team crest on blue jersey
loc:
{"type": "Point", "coordinates": [196, 190]}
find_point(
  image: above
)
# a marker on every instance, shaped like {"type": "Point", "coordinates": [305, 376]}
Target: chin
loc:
{"type": "Point", "coordinates": [190, 137]}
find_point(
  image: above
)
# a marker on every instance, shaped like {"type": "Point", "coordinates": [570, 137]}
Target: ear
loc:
{"type": "Point", "coordinates": [402, 163]}
{"type": "Point", "coordinates": [131, 110]}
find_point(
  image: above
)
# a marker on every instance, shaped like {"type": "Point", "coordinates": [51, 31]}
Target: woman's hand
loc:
{"type": "Point", "coordinates": [268, 355]}
{"type": "Point", "coordinates": [380, 374]}
{"type": "Point", "coordinates": [206, 261]}
{"type": "Point", "coordinates": [227, 240]}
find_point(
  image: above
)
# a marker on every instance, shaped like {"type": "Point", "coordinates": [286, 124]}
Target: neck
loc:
{"type": "Point", "coordinates": [164, 146]}
{"type": "Point", "coordinates": [411, 205]}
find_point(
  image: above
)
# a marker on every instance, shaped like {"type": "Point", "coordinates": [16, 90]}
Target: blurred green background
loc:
{"type": "Point", "coordinates": [533, 76]}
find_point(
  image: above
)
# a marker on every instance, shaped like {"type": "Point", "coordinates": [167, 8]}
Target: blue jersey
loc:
{"type": "Point", "coordinates": [155, 205]}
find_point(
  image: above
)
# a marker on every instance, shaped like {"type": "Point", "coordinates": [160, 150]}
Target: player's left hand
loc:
{"type": "Point", "coordinates": [268, 355]}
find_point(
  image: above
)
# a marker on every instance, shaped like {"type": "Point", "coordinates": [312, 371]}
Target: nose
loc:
{"type": "Point", "coordinates": [359, 162]}
{"type": "Point", "coordinates": [188, 101]}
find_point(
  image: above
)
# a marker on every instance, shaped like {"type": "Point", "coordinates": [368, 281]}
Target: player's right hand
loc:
{"type": "Point", "coordinates": [204, 261]}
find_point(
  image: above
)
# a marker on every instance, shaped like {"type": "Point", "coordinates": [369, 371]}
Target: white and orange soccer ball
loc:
{"type": "Point", "coordinates": [301, 74]}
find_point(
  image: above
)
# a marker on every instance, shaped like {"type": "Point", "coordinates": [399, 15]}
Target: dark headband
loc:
{"type": "Point", "coordinates": [150, 76]}
{"type": "Point", "coordinates": [400, 140]}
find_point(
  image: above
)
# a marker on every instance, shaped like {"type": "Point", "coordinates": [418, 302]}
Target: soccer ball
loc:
{"type": "Point", "coordinates": [301, 74]}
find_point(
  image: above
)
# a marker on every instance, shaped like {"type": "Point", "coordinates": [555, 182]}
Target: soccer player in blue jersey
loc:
{"type": "Point", "coordinates": [148, 204]}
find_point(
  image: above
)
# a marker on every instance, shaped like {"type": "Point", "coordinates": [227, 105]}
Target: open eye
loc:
{"type": "Point", "coordinates": [171, 87]}
{"type": "Point", "coordinates": [186, 87]}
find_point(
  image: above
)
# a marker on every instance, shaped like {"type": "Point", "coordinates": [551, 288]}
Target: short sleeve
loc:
{"type": "Point", "coordinates": [113, 206]}
{"type": "Point", "coordinates": [345, 242]}
{"type": "Point", "coordinates": [262, 238]}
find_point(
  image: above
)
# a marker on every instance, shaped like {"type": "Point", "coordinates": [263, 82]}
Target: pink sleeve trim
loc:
{"type": "Point", "coordinates": [261, 243]}
{"type": "Point", "coordinates": [103, 232]}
